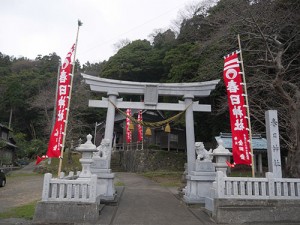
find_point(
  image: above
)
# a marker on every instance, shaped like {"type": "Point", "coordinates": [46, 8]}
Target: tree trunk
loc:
{"type": "Point", "coordinates": [293, 167]}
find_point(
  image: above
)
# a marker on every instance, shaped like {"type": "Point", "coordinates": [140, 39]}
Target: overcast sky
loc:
{"type": "Point", "coordinates": [32, 27]}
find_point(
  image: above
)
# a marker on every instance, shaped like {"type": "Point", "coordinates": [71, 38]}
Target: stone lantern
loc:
{"type": "Point", "coordinates": [87, 149]}
{"type": "Point", "coordinates": [221, 155]}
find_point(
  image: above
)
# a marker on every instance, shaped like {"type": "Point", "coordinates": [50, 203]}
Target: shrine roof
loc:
{"type": "Point", "coordinates": [258, 142]}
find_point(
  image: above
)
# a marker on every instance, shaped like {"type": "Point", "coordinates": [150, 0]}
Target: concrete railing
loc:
{"type": "Point", "coordinates": [68, 190]}
{"type": "Point", "coordinates": [256, 188]}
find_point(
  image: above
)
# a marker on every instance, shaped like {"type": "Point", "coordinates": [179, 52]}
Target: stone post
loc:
{"type": "Point", "coordinates": [87, 150]}
{"type": "Point", "coordinates": [110, 121]}
{"type": "Point", "coordinates": [274, 159]}
{"type": "Point", "coordinates": [46, 186]}
{"type": "Point", "coordinates": [190, 134]}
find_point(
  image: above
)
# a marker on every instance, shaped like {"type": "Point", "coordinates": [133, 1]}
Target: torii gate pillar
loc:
{"type": "Point", "coordinates": [190, 134]}
{"type": "Point", "coordinates": [110, 120]}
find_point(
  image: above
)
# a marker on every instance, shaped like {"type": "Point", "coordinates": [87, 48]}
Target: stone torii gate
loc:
{"type": "Point", "coordinates": [151, 91]}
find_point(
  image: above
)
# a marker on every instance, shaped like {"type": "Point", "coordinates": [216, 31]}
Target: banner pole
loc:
{"type": "Point", "coordinates": [247, 104]}
{"type": "Point", "coordinates": [54, 110]}
{"type": "Point", "coordinates": [56, 90]}
{"type": "Point", "coordinates": [68, 108]}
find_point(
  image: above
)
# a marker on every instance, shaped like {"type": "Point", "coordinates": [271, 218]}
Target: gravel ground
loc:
{"type": "Point", "coordinates": [22, 187]}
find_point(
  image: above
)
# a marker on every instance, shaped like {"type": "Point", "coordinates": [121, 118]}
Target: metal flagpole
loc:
{"type": "Point", "coordinates": [68, 108]}
{"type": "Point", "coordinates": [247, 106]}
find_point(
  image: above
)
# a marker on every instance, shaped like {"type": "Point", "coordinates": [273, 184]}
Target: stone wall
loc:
{"type": "Point", "coordinates": [149, 160]}
{"type": "Point", "coordinates": [240, 211]}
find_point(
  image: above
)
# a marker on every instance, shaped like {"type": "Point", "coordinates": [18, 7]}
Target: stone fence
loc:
{"type": "Point", "coordinates": [256, 188]}
{"type": "Point", "coordinates": [257, 200]}
{"type": "Point", "coordinates": [69, 190]}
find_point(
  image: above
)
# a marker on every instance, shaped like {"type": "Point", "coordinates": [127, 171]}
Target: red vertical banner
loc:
{"type": "Point", "coordinates": [237, 109]}
{"type": "Point", "coordinates": [62, 104]}
{"type": "Point", "coordinates": [140, 127]}
{"type": "Point", "coordinates": [128, 131]}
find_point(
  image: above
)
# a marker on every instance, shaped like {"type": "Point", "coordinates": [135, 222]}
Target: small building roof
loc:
{"type": "Point", "coordinates": [10, 141]}
{"type": "Point", "coordinates": [153, 115]}
{"type": "Point", "coordinates": [5, 127]}
{"type": "Point", "coordinates": [11, 144]}
{"type": "Point", "coordinates": [258, 142]}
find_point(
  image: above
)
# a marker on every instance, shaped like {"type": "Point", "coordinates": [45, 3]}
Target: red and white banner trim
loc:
{"type": "Point", "coordinates": [140, 127]}
{"type": "Point", "coordinates": [128, 131]}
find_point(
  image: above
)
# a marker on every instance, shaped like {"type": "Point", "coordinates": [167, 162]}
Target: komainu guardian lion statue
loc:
{"type": "Point", "coordinates": [202, 153]}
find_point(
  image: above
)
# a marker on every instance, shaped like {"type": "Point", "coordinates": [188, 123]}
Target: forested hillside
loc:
{"type": "Point", "coordinates": [269, 31]}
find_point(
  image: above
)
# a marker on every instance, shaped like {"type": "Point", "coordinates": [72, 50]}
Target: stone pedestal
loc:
{"type": "Point", "coordinates": [199, 182]}
{"type": "Point", "coordinates": [105, 178]}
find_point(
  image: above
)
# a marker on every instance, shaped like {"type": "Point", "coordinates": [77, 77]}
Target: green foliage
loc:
{"type": "Point", "coordinates": [181, 62]}
{"type": "Point", "coordinates": [28, 78]}
{"type": "Point", "coordinates": [70, 163]}
{"type": "Point", "coordinates": [28, 89]}
{"type": "Point", "coordinates": [165, 40]}
{"type": "Point", "coordinates": [92, 69]}
{"type": "Point", "coordinates": [29, 148]}
{"type": "Point", "coordinates": [137, 61]}
{"type": "Point", "coordinates": [36, 147]}
{"type": "Point", "coordinates": [5, 63]}
{"type": "Point", "coordinates": [20, 138]}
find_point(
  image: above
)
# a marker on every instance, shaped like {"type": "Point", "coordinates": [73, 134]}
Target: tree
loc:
{"type": "Point", "coordinates": [93, 68]}
{"type": "Point", "coordinates": [5, 63]}
{"type": "Point", "coordinates": [281, 57]}
{"type": "Point", "coordinates": [5, 70]}
{"type": "Point", "coordinates": [271, 55]}
{"type": "Point", "coordinates": [163, 39]}
{"type": "Point", "coordinates": [137, 61]}
{"type": "Point", "coordinates": [182, 63]}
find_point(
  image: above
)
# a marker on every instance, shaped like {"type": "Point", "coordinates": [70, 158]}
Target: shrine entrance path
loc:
{"type": "Point", "coordinates": [144, 202]}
